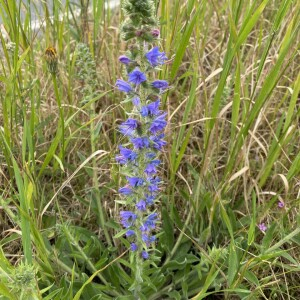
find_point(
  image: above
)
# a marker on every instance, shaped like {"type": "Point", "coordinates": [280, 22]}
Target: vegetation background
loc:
{"type": "Point", "coordinates": [232, 155]}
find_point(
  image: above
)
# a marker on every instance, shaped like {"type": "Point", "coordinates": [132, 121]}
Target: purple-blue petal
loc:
{"type": "Point", "coordinates": [136, 77]}
{"type": "Point", "coordinates": [123, 86]}
{"type": "Point", "coordinates": [136, 101]}
{"type": "Point", "coordinates": [125, 190]}
{"type": "Point", "coordinates": [124, 59]}
{"type": "Point", "coordinates": [133, 246]}
{"type": "Point", "coordinates": [140, 142]}
{"type": "Point", "coordinates": [160, 84]}
{"type": "Point", "coordinates": [141, 205]}
{"type": "Point", "coordinates": [158, 124]}
{"type": "Point", "coordinates": [135, 181]}
{"type": "Point", "coordinates": [155, 57]}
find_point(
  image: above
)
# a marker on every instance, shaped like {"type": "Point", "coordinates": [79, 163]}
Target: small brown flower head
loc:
{"type": "Point", "coordinates": [51, 59]}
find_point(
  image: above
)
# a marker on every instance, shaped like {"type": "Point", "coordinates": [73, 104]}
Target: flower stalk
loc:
{"type": "Point", "coordinates": [52, 62]}
{"type": "Point", "coordinates": [143, 132]}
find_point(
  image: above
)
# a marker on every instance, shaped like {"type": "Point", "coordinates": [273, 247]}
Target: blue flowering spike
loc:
{"type": "Point", "coordinates": [143, 131]}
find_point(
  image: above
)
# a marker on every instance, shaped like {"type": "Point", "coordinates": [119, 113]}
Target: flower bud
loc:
{"type": "Point", "coordinates": [155, 33]}
{"type": "Point", "coordinates": [51, 59]}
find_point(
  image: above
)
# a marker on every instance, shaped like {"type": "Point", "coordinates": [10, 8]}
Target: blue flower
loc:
{"type": "Point", "coordinates": [125, 190]}
{"type": "Point", "coordinates": [144, 111]}
{"type": "Point", "coordinates": [155, 180]}
{"type": "Point", "coordinates": [149, 224]}
{"type": "Point", "coordinates": [127, 218]}
{"type": "Point", "coordinates": [137, 77]}
{"type": "Point", "coordinates": [130, 123]}
{"type": "Point", "coordinates": [158, 124]}
{"type": "Point", "coordinates": [145, 255]}
{"type": "Point", "coordinates": [150, 155]}
{"type": "Point", "coordinates": [152, 217]}
{"type": "Point", "coordinates": [121, 159]}
{"type": "Point", "coordinates": [130, 232]}
{"type": "Point", "coordinates": [125, 131]}
{"type": "Point", "coordinates": [153, 188]}
{"type": "Point", "coordinates": [160, 84]}
{"type": "Point", "coordinates": [135, 181]}
{"type": "Point", "coordinates": [148, 239]}
{"type": "Point", "coordinates": [127, 128]}
{"type": "Point", "coordinates": [133, 246]}
{"type": "Point", "coordinates": [151, 167]}
{"type": "Point", "coordinates": [158, 141]}
{"type": "Point", "coordinates": [141, 205]}
{"type": "Point", "coordinates": [150, 170]}
{"type": "Point", "coordinates": [155, 57]}
{"type": "Point", "coordinates": [124, 59]}
{"type": "Point", "coordinates": [123, 86]}
{"type": "Point", "coordinates": [140, 142]}
{"type": "Point", "coordinates": [136, 101]}
{"type": "Point", "coordinates": [153, 184]}
{"type": "Point", "coordinates": [151, 109]}
{"type": "Point", "coordinates": [126, 155]}
{"type": "Point", "coordinates": [150, 199]}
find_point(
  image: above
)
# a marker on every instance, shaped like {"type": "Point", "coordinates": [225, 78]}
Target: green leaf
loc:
{"type": "Point", "coordinates": [250, 276]}
{"type": "Point", "coordinates": [174, 295]}
{"type": "Point", "coordinates": [251, 231]}
{"type": "Point", "coordinates": [226, 220]}
{"type": "Point", "coordinates": [232, 263]}
{"type": "Point", "coordinates": [4, 291]}
{"type": "Point", "coordinates": [266, 242]}
{"type": "Point", "coordinates": [121, 233]}
{"type": "Point", "coordinates": [183, 43]}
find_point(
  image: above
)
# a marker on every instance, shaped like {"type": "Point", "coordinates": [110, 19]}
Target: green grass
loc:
{"type": "Point", "coordinates": [232, 154]}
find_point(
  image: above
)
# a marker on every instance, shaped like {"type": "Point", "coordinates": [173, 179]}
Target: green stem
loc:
{"type": "Point", "coordinates": [138, 273]}
{"type": "Point", "coordinates": [61, 117]}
